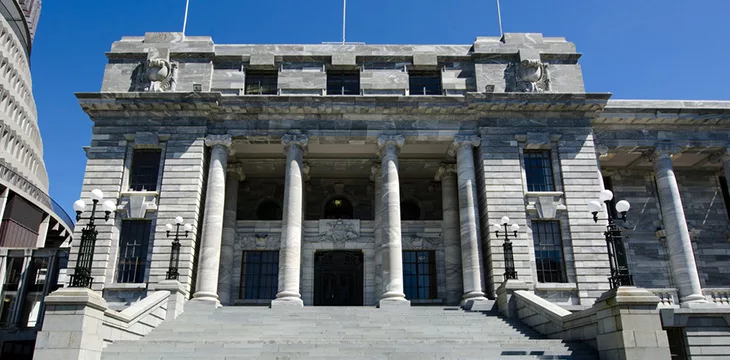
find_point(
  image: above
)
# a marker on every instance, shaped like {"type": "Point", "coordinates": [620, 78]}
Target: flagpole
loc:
{"type": "Point", "coordinates": [185, 21]}
{"type": "Point", "coordinates": [344, 20]}
{"type": "Point", "coordinates": [499, 15]}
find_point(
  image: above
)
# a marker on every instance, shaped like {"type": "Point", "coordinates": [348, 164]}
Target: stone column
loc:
{"type": "Point", "coordinates": [450, 225]}
{"type": "Point", "coordinates": [234, 175]}
{"type": "Point", "coordinates": [290, 254]}
{"type": "Point", "coordinates": [375, 176]}
{"type": "Point", "coordinates": [679, 244]}
{"type": "Point", "coordinates": [389, 146]}
{"type": "Point", "coordinates": [468, 219]}
{"type": "Point", "coordinates": [210, 251]}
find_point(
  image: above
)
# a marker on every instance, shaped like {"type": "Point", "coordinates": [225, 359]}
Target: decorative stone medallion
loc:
{"type": "Point", "coordinates": [339, 231]}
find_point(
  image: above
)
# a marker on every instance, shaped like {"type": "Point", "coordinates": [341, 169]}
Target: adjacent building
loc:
{"type": "Point", "coordinates": [372, 175]}
{"type": "Point", "coordinates": [32, 226]}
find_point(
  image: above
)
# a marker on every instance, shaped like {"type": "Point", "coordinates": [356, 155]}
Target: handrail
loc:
{"type": "Point", "coordinates": [24, 184]}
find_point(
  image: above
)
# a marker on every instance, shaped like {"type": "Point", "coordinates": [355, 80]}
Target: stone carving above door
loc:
{"type": "Point", "coordinates": [421, 243]}
{"type": "Point", "coordinates": [259, 241]}
{"type": "Point", "coordinates": [339, 231]}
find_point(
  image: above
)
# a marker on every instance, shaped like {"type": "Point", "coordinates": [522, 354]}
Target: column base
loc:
{"type": "Point", "coordinates": [207, 297]}
{"type": "Point", "coordinates": [289, 302]}
{"type": "Point", "coordinates": [394, 303]}
{"type": "Point", "coordinates": [479, 303]}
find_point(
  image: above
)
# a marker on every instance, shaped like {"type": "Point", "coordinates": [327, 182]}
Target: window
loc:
{"type": "Point", "coordinates": [262, 82]}
{"type": "Point", "coordinates": [424, 82]}
{"type": "Point", "coordinates": [145, 168]}
{"type": "Point", "coordinates": [548, 251]}
{"type": "Point", "coordinates": [259, 275]}
{"type": "Point", "coordinates": [133, 243]}
{"type": "Point", "coordinates": [14, 272]}
{"type": "Point", "coordinates": [409, 210]}
{"type": "Point", "coordinates": [419, 274]}
{"type": "Point", "coordinates": [269, 210]}
{"type": "Point", "coordinates": [539, 171]}
{"type": "Point", "coordinates": [340, 82]}
{"type": "Point", "coordinates": [338, 208]}
{"type": "Point", "coordinates": [725, 194]}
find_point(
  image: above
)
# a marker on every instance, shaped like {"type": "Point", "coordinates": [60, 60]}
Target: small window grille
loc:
{"type": "Point", "coordinates": [259, 275]}
{"type": "Point", "coordinates": [539, 171]}
{"type": "Point", "coordinates": [548, 251]}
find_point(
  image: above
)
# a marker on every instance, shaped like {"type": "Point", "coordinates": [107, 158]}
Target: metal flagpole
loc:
{"type": "Point", "coordinates": [344, 19]}
{"type": "Point", "coordinates": [185, 22]}
{"type": "Point", "coordinates": [499, 15]}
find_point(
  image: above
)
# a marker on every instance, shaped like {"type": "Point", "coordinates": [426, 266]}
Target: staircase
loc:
{"type": "Point", "coordinates": [314, 333]}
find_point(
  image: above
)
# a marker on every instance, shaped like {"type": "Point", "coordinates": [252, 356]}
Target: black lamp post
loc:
{"type": "Point", "coordinates": [620, 275]}
{"type": "Point", "coordinates": [173, 269]}
{"type": "Point", "coordinates": [82, 272]}
{"type": "Point", "coordinates": [509, 260]}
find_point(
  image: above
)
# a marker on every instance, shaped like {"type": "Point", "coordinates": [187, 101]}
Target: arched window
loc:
{"type": "Point", "coordinates": [338, 208]}
{"type": "Point", "coordinates": [269, 210]}
{"type": "Point", "coordinates": [409, 210]}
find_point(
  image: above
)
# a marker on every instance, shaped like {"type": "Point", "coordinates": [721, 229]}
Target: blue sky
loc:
{"type": "Point", "coordinates": [636, 49]}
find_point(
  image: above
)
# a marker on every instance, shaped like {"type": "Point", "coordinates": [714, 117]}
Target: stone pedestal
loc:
{"type": "Point", "coordinates": [393, 264]}
{"type": "Point", "coordinates": [290, 254]}
{"type": "Point", "coordinates": [505, 300]}
{"type": "Point", "coordinates": [176, 302]}
{"type": "Point", "coordinates": [629, 326]}
{"type": "Point", "coordinates": [679, 244]}
{"type": "Point", "coordinates": [72, 326]}
{"type": "Point", "coordinates": [210, 247]}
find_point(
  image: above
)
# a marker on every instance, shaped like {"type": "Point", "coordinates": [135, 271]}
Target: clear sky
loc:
{"type": "Point", "coordinates": [635, 49]}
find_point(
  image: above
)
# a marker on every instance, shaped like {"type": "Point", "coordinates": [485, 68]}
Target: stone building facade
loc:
{"type": "Point", "coordinates": [33, 227]}
{"type": "Point", "coordinates": [372, 174]}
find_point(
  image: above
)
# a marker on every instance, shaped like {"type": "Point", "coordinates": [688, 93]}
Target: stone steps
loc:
{"type": "Point", "coordinates": [416, 333]}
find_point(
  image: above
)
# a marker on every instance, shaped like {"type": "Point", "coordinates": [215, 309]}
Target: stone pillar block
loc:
{"type": "Point", "coordinates": [72, 327]}
{"type": "Point", "coordinates": [629, 325]}
{"type": "Point", "coordinates": [505, 297]}
{"type": "Point", "coordinates": [177, 297]}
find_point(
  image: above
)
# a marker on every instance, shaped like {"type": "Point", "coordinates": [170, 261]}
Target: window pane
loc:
{"type": "Point", "coordinates": [133, 243]}
{"type": "Point", "coordinates": [261, 82]}
{"type": "Point", "coordinates": [424, 82]}
{"type": "Point", "coordinates": [145, 168]}
{"type": "Point", "coordinates": [539, 171]}
{"type": "Point", "coordinates": [343, 82]}
{"type": "Point", "coordinates": [548, 251]}
{"type": "Point", "coordinates": [419, 275]}
{"type": "Point", "coordinates": [259, 274]}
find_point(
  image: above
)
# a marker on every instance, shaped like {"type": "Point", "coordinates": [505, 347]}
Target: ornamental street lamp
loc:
{"type": "Point", "coordinates": [509, 261]}
{"type": "Point", "coordinates": [173, 272]}
{"type": "Point", "coordinates": [620, 275]}
{"type": "Point", "coordinates": [82, 272]}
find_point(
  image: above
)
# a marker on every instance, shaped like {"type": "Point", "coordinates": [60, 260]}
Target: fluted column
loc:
{"type": "Point", "coordinates": [234, 175]}
{"type": "Point", "coordinates": [375, 176]}
{"type": "Point", "coordinates": [389, 146]}
{"type": "Point", "coordinates": [679, 244]}
{"type": "Point", "coordinates": [210, 247]}
{"type": "Point", "coordinates": [290, 254]}
{"type": "Point", "coordinates": [468, 219]}
{"type": "Point", "coordinates": [450, 229]}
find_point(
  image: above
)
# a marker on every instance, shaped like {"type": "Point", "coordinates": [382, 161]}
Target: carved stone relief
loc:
{"type": "Point", "coordinates": [421, 243]}
{"type": "Point", "coordinates": [259, 241]}
{"type": "Point", "coordinates": [339, 231]}
{"type": "Point", "coordinates": [528, 76]}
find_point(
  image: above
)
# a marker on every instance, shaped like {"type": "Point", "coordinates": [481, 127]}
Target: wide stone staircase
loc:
{"type": "Point", "coordinates": [415, 333]}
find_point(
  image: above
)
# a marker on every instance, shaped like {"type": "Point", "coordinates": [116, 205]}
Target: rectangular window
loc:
{"type": "Point", "coordinates": [262, 82]}
{"type": "Point", "coordinates": [259, 275]}
{"type": "Point", "coordinates": [419, 274]}
{"type": "Point", "coordinates": [548, 251]}
{"type": "Point", "coordinates": [145, 169]}
{"type": "Point", "coordinates": [341, 82]}
{"type": "Point", "coordinates": [539, 171]}
{"type": "Point", "coordinates": [133, 242]}
{"type": "Point", "coordinates": [425, 82]}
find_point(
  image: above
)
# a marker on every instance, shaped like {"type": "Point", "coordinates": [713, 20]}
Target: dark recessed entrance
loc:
{"type": "Point", "coordinates": [338, 278]}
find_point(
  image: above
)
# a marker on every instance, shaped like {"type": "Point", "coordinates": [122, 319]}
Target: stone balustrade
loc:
{"type": "Point", "coordinates": [717, 296]}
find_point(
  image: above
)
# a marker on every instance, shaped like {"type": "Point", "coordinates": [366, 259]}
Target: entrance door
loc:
{"type": "Point", "coordinates": [338, 278]}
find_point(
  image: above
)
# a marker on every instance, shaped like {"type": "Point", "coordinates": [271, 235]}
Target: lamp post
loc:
{"type": "Point", "coordinates": [82, 272]}
{"type": "Point", "coordinates": [509, 261]}
{"type": "Point", "coordinates": [173, 272]}
{"type": "Point", "coordinates": [620, 275]}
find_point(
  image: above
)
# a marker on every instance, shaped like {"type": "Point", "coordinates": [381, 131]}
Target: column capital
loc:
{"type": "Point", "coordinates": [444, 171]}
{"type": "Point", "coordinates": [375, 170]}
{"type": "Point", "coordinates": [237, 170]}
{"type": "Point", "coordinates": [665, 149]}
{"type": "Point", "coordinates": [385, 140]}
{"type": "Point", "coordinates": [213, 140]}
{"type": "Point", "coordinates": [464, 140]}
{"type": "Point", "coordinates": [296, 139]}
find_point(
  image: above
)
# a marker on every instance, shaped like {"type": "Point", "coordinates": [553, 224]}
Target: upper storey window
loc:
{"type": "Point", "coordinates": [343, 82]}
{"type": "Point", "coordinates": [145, 170]}
{"type": "Point", "coordinates": [539, 171]}
{"type": "Point", "coordinates": [425, 82]}
{"type": "Point", "coordinates": [261, 82]}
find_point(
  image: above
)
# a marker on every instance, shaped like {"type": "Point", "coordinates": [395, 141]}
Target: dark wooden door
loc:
{"type": "Point", "coordinates": [338, 278]}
